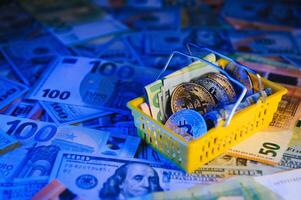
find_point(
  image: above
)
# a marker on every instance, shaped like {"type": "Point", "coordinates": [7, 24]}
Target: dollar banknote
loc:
{"type": "Point", "coordinates": [108, 120]}
{"type": "Point", "coordinates": [116, 178]}
{"type": "Point", "coordinates": [119, 50]}
{"type": "Point", "coordinates": [93, 83]}
{"type": "Point", "coordinates": [23, 108]}
{"type": "Point", "coordinates": [161, 19]}
{"type": "Point", "coordinates": [146, 152]}
{"type": "Point", "coordinates": [20, 189]}
{"type": "Point", "coordinates": [269, 145]}
{"type": "Point", "coordinates": [63, 114]}
{"type": "Point", "coordinates": [164, 42]}
{"type": "Point", "coordinates": [74, 21]}
{"type": "Point", "coordinates": [264, 42]}
{"type": "Point", "coordinates": [42, 141]}
{"type": "Point", "coordinates": [10, 90]}
{"type": "Point", "coordinates": [269, 14]}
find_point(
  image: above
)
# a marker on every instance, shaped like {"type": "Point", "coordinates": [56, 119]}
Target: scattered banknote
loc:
{"type": "Point", "coordinates": [20, 189]}
{"type": "Point", "coordinates": [146, 152]}
{"type": "Point", "coordinates": [264, 42]}
{"type": "Point", "coordinates": [281, 15]}
{"type": "Point", "coordinates": [42, 141]}
{"type": "Point", "coordinates": [7, 143]}
{"type": "Point", "coordinates": [116, 178]}
{"type": "Point", "coordinates": [152, 19]}
{"type": "Point", "coordinates": [23, 108]}
{"type": "Point", "coordinates": [68, 69]}
{"type": "Point", "coordinates": [285, 184]}
{"type": "Point", "coordinates": [277, 186]}
{"type": "Point", "coordinates": [6, 69]}
{"type": "Point", "coordinates": [93, 83]}
{"type": "Point", "coordinates": [108, 120]}
{"type": "Point", "coordinates": [74, 21]}
{"type": "Point", "coordinates": [164, 42]}
{"type": "Point", "coordinates": [269, 145]}
{"type": "Point", "coordinates": [30, 58]}
{"type": "Point", "coordinates": [63, 114]}
{"type": "Point", "coordinates": [16, 24]}
{"type": "Point", "coordinates": [10, 90]}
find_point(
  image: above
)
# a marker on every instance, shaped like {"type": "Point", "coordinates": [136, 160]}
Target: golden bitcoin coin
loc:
{"type": "Point", "coordinates": [192, 96]}
{"type": "Point", "coordinates": [225, 83]}
{"type": "Point", "coordinates": [218, 91]}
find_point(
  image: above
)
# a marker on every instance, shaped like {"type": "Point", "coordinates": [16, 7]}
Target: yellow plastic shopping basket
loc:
{"type": "Point", "coordinates": [194, 154]}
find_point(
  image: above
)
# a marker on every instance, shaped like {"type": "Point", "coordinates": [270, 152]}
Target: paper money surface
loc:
{"type": "Point", "coordinates": [93, 83]}
{"type": "Point", "coordinates": [55, 190]}
{"type": "Point", "coordinates": [63, 114]}
{"type": "Point", "coordinates": [285, 184]}
{"type": "Point", "coordinates": [10, 90]}
{"type": "Point", "coordinates": [7, 143]}
{"type": "Point", "coordinates": [279, 186]}
{"type": "Point", "coordinates": [20, 189]}
{"type": "Point", "coordinates": [30, 58]}
{"type": "Point", "coordinates": [268, 146]}
{"type": "Point", "coordinates": [41, 141]}
{"type": "Point", "coordinates": [23, 108]}
{"type": "Point", "coordinates": [74, 21]}
{"type": "Point", "coordinates": [109, 177]}
{"type": "Point", "coordinates": [264, 43]}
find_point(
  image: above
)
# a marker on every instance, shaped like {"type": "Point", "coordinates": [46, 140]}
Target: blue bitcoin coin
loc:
{"type": "Point", "coordinates": [187, 121]}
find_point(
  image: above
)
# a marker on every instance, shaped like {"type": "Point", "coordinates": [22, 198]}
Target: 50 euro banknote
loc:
{"type": "Point", "coordinates": [269, 145]}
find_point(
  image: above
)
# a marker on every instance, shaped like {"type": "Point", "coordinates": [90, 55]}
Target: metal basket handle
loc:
{"type": "Point", "coordinates": [244, 89]}
{"type": "Point", "coordinates": [261, 88]}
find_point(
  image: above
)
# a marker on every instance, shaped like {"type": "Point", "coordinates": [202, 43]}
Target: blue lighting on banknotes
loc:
{"type": "Point", "coordinates": [68, 69]}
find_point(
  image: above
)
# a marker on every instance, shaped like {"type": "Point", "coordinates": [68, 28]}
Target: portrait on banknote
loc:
{"type": "Point", "coordinates": [131, 180]}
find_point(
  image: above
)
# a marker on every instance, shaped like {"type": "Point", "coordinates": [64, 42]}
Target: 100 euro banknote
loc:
{"type": "Point", "coordinates": [93, 83]}
{"type": "Point", "coordinates": [41, 141]}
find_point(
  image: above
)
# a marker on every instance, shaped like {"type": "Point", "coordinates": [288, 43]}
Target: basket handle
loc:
{"type": "Point", "coordinates": [244, 89]}
{"type": "Point", "coordinates": [261, 88]}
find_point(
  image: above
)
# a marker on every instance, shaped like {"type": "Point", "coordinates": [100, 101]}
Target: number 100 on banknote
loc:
{"type": "Point", "coordinates": [92, 82]}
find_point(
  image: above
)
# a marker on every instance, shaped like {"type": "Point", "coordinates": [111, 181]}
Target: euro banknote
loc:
{"type": "Point", "coordinates": [278, 186]}
{"type": "Point", "coordinates": [269, 145]}
{"type": "Point", "coordinates": [41, 141]}
{"type": "Point", "coordinates": [92, 83]}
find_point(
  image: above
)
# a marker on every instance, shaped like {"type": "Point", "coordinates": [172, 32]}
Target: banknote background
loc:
{"type": "Point", "coordinates": [68, 68]}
